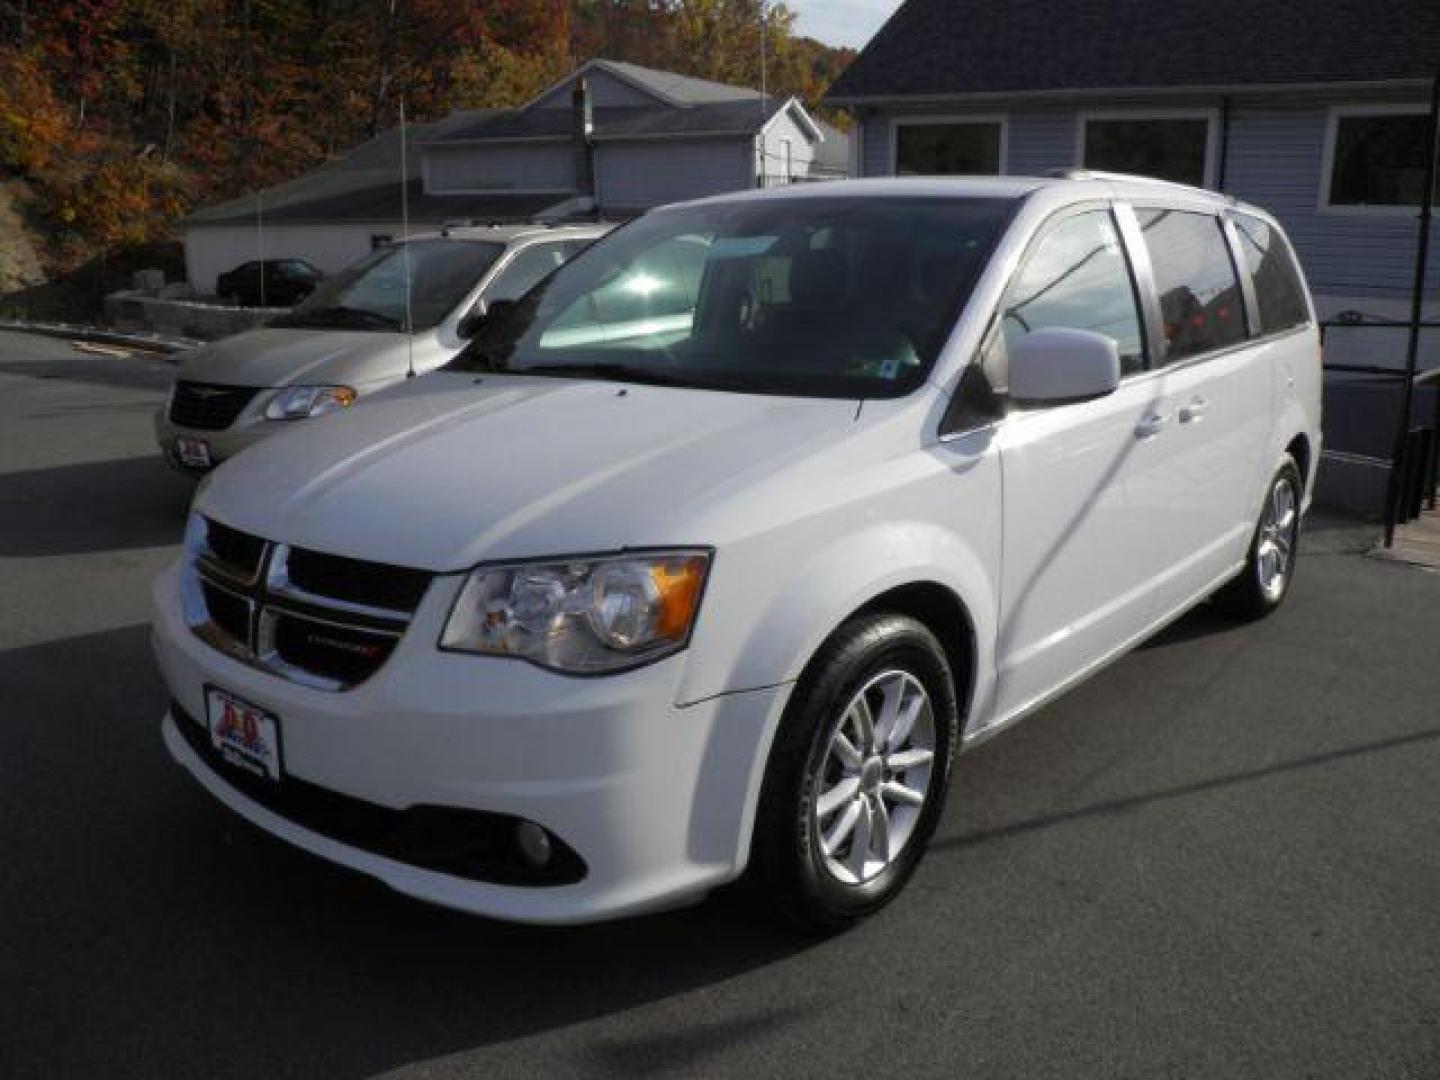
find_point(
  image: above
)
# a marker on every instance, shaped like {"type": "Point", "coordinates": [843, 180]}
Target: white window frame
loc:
{"type": "Point", "coordinates": [1327, 162]}
{"type": "Point", "coordinates": [1209, 115]}
{"type": "Point", "coordinates": [938, 120]}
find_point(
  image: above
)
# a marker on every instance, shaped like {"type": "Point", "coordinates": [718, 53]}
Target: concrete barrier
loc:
{"type": "Point", "coordinates": [173, 317]}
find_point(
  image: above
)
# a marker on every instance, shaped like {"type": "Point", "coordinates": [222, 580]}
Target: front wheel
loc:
{"type": "Point", "coordinates": [1262, 586]}
{"type": "Point", "coordinates": [858, 773]}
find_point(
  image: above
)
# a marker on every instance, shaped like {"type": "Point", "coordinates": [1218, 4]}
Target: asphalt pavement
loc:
{"type": "Point", "coordinates": [1218, 858]}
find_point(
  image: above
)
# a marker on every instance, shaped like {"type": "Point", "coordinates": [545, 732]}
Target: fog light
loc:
{"type": "Point", "coordinates": [534, 843]}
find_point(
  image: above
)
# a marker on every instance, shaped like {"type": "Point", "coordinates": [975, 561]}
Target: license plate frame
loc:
{"type": "Point", "coordinates": [244, 735]}
{"type": "Point", "coordinates": [193, 453]}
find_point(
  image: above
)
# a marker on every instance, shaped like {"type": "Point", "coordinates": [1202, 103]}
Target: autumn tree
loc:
{"type": "Point", "coordinates": [123, 114]}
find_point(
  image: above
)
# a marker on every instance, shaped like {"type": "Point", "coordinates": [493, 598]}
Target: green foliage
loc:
{"type": "Point", "coordinates": [125, 114]}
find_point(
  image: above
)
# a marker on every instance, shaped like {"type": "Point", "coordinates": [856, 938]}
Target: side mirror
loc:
{"type": "Point", "coordinates": [469, 324]}
{"type": "Point", "coordinates": [1048, 367]}
{"type": "Point", "coordinates": [483, 312]}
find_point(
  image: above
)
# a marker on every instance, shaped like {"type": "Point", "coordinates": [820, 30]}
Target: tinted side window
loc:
{"type": "Point", "coordinates": [1195, 278]}
{"type": "Point", "coordinates": [1278, 291]}
{"type": "Point", "coordinates": [1075, 278]}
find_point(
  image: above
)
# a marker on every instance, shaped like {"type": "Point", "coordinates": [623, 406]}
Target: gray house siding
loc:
{"type": "Point", "coordinates": [643, 174]}
{"type": "Point", "coordinates": [1275, 159]}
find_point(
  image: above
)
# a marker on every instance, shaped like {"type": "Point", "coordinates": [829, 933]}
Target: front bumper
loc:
{"type": "Point", "coordinates": [656, 799]}
{"type": "Point", "coordinates": [224, 444]}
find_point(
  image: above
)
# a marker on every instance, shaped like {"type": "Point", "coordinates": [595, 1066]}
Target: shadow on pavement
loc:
{"type": "Point", "coordinates": [1199, 787]}
{"type": "Point", "coordinates": [118, 371]}
{"type": "Point", "coordinates": [186, 943]}
{"type": "Point", "coordinates": [1200, 622]}
{"type": "Point", "coordinates": [98, 506]}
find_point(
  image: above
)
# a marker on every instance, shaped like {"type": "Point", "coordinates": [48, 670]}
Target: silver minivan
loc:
{"type": "Point", "coordinates": [349, 338]}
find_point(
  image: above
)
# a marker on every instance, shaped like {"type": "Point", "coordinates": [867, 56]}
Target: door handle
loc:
{"type": "Point", "coordinates": [1194, 412]}
{"type": "Point", "coordinates": [1150, 426]}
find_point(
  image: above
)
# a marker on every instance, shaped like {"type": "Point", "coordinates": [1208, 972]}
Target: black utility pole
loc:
{"type": "Point", "coordinates": [1394, 494]}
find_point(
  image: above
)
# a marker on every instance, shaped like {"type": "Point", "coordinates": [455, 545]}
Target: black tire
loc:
{"type": "Point", "coordinates": [1246, 596]}
{"type": "Point", "coordinates": [787, 868]}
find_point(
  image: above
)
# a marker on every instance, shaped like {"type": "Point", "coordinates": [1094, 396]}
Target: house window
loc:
{"type": "Point", "coordinates": [947, 148]}
{"type": "Point", "coordinates": [1377, 158]}
{"type": "Point", "coordinates": [1166, 147]}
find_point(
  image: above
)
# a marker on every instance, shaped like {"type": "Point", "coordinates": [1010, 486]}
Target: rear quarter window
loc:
{"type": "Point", "coordinates": [1279, 291]}
{"type": "Point", "coordinates": [1195, 278]}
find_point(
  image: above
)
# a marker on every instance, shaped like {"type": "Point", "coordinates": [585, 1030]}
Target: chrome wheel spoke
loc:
{"type": "Point", "coordinates": [845, 750]}
{"type": "Point", "coordinates": [909, 759]}
{"type": "Point", "coordinates": [864, 721]}
{"type": "Point", "coordinates": [860, 843]}
{"type": "Point", "coordinates": [891, 694]}
{"type": "Point", "coordinates": [905, 722]}
{"type": "Point", "coordinates": [837, 797]}
{"type": "Point", "coordinates": [899, 793]}
{"type": "Point", "coordinates": [880, 827]}
{"type": "Point", "coordinates": [843, 827]}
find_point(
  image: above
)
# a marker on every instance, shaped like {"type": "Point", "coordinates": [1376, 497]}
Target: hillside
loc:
{"type": "Point", "coordinates": [122, 115]}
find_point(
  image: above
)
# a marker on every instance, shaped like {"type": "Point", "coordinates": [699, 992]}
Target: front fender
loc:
{"type": "Point", "coordinates": [812, 592]}
{"type": "Point", "coordinates": [820, 591]}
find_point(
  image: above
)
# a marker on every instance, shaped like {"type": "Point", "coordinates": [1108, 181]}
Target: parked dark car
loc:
{"type": "Point", "coordinates": [285, 283]}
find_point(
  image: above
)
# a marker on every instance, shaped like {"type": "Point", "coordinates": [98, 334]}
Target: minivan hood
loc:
{"type": "Point", "coordinates": [274, 356]}
{"type": "Point", "coordinates": [441, 473]}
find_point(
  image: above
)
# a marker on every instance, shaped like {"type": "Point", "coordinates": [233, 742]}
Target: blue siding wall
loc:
{"type": "Point", "coordinates": [1275, 159]}
{"type": "Point", "coordinates": [1041, 139]}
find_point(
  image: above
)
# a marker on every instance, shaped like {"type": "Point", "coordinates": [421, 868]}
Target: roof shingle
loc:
{"type": "Point", "coordinates": [621, 122]}
{"type": "Point", "coordinates": [958, 47]}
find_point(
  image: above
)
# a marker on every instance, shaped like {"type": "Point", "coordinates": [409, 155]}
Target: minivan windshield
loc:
{"type": "Point", "coordinates": [370, 294]}
{"type": "Point", "coordinates": [824, 296]}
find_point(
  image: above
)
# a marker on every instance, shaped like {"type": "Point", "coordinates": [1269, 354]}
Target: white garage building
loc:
{"type": "Point", "coordinates": [609, 140]}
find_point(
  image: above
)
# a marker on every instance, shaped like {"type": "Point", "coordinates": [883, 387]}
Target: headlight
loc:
{"type": "Point", "coordinates": [582, 616]}
{"type": "Point", "coordinates": [300, 402]}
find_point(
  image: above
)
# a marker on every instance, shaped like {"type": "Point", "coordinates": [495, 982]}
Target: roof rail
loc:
{"type": "Point", "coordinates": [1078, 173]}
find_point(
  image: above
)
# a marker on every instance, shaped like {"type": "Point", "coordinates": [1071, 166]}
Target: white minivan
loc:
{"type": "Point", "coordinates": [708, 555]}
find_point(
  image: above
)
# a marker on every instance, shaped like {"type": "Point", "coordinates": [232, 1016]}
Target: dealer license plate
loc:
{"type": "Point", "coordinates": [245, 736]}
{"type": "Point", "coordinates": [193, 452]}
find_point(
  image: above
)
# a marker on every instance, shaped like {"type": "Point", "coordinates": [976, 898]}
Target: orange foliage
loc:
{"type": "Point", "coordinates": [124, 114]}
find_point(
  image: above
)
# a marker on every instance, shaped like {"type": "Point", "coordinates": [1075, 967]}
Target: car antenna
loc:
{"type": "Point", "coordinates": [405, 244]}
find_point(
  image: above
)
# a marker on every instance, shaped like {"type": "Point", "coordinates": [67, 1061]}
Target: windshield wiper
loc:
{"type": "Point", "coordinates": [612, 371]}
{"type": "Point", "coordinates": [330, 316]}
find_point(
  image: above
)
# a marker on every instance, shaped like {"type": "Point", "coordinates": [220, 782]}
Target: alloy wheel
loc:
{"type": "Point", "coordinates": [874, 777]}
{"type": "Point", "coordinates": [1275, 547]}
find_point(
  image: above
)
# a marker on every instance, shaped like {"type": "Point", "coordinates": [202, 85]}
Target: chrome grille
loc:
{"type": "Point", "coordinates": [207, 406]}
{"type": "Point", "coordinates": [325, 621]}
